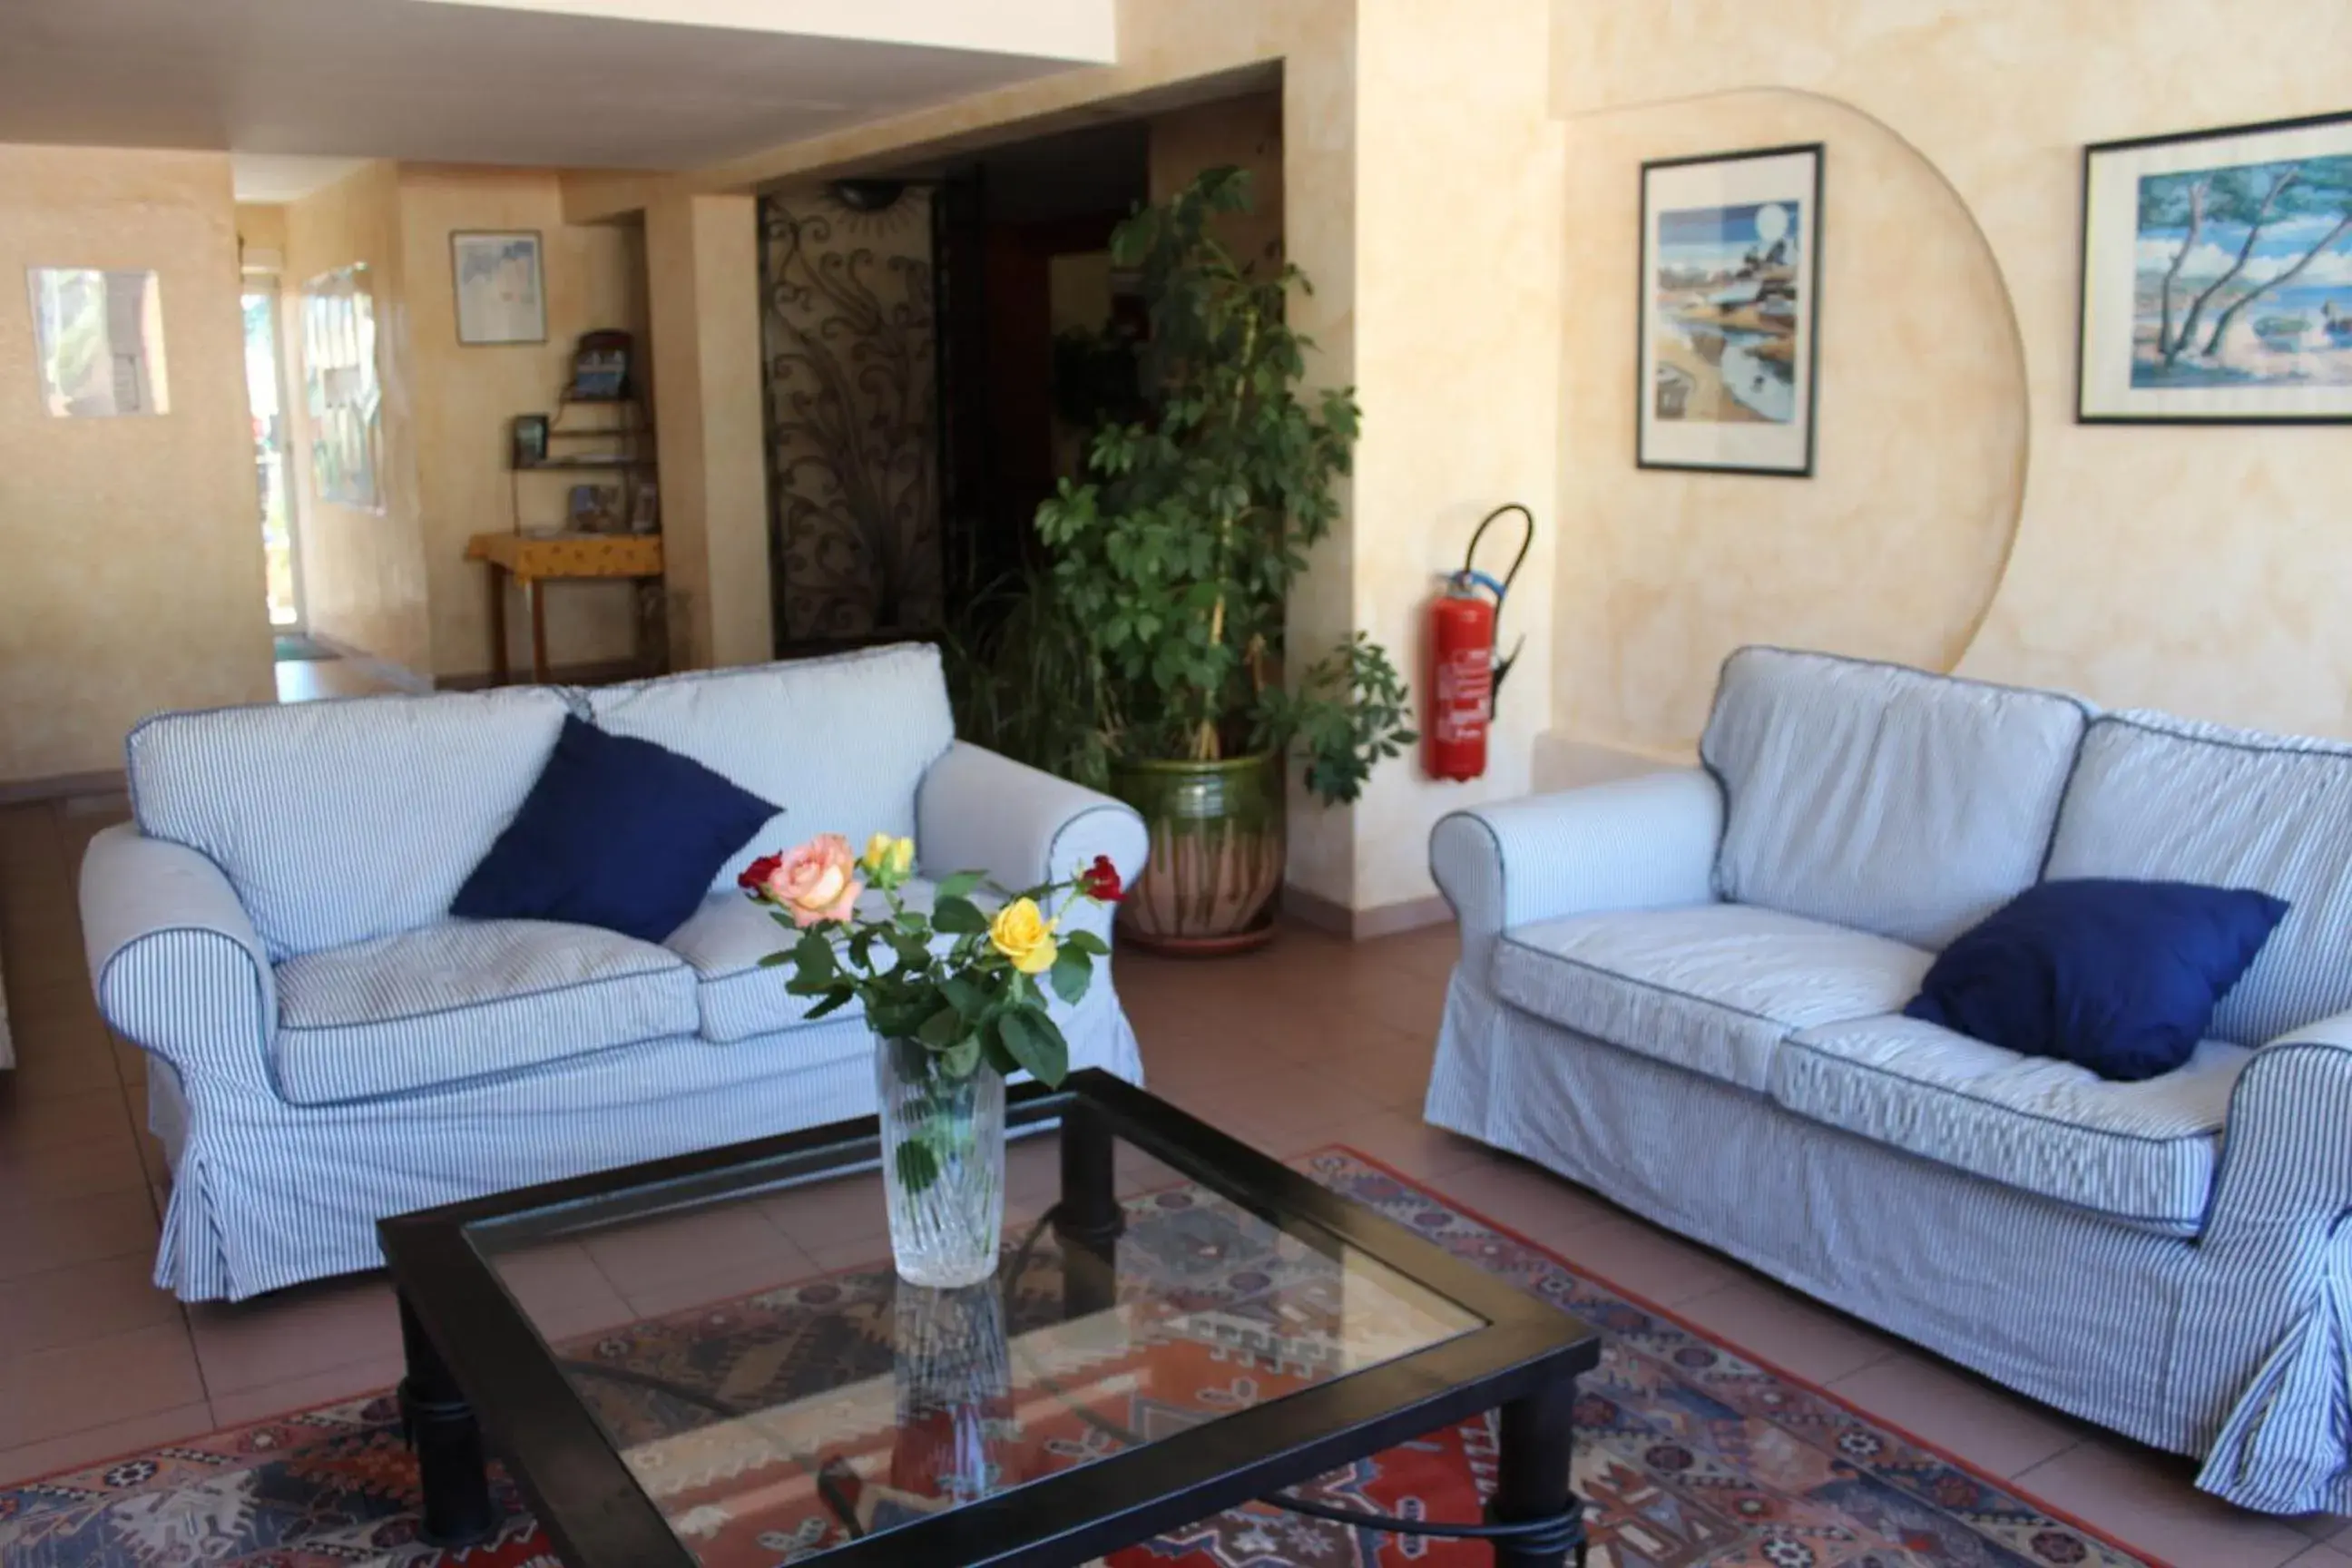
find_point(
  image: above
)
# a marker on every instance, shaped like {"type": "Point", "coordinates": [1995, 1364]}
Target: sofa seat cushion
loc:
{"type": "Point", "coordinates": [2142, 1151]}
{"type": "Point", "coordinates": [462, 998]}
{"type": "Point", "coordinates": [1714, 988]}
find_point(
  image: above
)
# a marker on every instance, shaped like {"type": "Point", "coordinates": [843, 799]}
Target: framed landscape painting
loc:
{"type": "Point", "coordinates": [500, 296]}
{"type": "Point", "coordinates": [2216, 277]}
{"type": "Point", "coordinates": [1730, 298]}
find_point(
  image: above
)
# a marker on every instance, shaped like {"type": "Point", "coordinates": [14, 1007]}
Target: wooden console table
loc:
{"type": "Point", "coordinates": [531, 560]}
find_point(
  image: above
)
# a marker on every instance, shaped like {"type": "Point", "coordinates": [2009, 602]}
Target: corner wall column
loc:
{"type": "Point", "coordinates": [702, 269]}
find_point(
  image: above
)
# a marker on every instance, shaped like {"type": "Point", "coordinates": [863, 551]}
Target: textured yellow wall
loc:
{"type": "Point", "coordinates": [1245, 132]}
{"type": "Point", "coordinates": [702, 275]}
{"type": "Point", "coordinates": [132, 575]}
{"type": "Point", "coordinates": [465, 398]}
{"type": "Point", "coordinates": [261, 229]}
{"type": "Point", "coordinates": [2196, 570]}
{"type": "Point", "coordinates": [363, 573]}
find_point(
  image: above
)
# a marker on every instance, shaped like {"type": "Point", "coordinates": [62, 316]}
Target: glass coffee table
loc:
{"type": "Point", "coordinates": [1179, 1325]}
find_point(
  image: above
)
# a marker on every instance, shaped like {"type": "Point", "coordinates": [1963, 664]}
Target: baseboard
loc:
{"type": "Point", "coordinates": [62, 786]}
{"type": "Point", "coordinates": [1363, 925]}
{"type": "Point", "coordinates": [603, 672]}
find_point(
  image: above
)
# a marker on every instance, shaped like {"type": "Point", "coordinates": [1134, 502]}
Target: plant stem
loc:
{"type": "Point", "coordinates": [1207, 745]}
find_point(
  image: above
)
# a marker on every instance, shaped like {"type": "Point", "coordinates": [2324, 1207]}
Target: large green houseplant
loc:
{"type": "Point", "coordinates": [1173, 554]}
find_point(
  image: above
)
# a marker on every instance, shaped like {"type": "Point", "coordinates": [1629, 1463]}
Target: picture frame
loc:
{"type": "Point", "coordinates": [1728, 311]}
{"type": "Point", "coordinates": [500, 287]}
{"type": "Point", "coordinates": [2216, 284]}
{"type": "Point", "coordinates": [98, 340]}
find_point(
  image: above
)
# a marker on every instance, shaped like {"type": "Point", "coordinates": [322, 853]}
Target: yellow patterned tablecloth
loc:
{"type": "Point", "coordinates": [531, 558]}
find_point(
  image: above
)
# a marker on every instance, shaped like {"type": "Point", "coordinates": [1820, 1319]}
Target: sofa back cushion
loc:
{"type": "Point", "coordinates": [1882, 798]}
{"type": "Point", "coordinates": [339, 822]}
{"type": "Point", "coordinates": [2168, 799]}
{"type": "Point", "coordinates": [840, 743]}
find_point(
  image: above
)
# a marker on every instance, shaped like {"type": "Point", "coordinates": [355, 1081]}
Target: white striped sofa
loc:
{"type": "Point", "coordinates": [1683, 991]}
{"type": "Point", "coordinates": [330, 1046]}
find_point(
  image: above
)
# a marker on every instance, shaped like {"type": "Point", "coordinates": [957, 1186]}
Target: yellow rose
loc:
{"type": "Point", "coordinates": [1023, 934]}
{"type": "Point", "coordinates": [877, 852]}
{"type": "Point", "coordinates": [888, 860]}
{"type": "Point", "coordinates": [902, 857]}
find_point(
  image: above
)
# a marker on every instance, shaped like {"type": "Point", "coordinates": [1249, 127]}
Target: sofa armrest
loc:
{"type": "Point", "coordinates": [177, 966]}
{"type": "Point", "coordinates": [2286, 1149]}
{"type": "Point", "coordinates": [978, 811]}
{"type": "Point", "coordinates": [1632, 843]}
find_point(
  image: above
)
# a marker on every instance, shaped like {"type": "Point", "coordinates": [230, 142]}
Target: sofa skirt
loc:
{"type": "Point", "coordinates": [266, 1195]}
{"type": "Point", "coordinates": [2233, 1351]}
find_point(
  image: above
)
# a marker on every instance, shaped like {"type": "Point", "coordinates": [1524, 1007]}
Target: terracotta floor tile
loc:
{"type": "Point", "coordinates": [93, 1382]}
{"type": "Point", "coordinates": [294, 1333]}
{"type": "Point", "coordinates": [2145, 1501]}
{"type": "Point", "coordinates": [1786, 1330]}
{"type": "Point", "coordinates": [1547, 1209]}
{"type": "Point", "coordinates": [81, 1302]}
{"type": "Point", "coordinates": [1646, 1261]}
{"type": "Point", "coordinates": [708, 1289]}
{"type": "Point", "coordinates": [2320, 1557]}
{"type": "Point", "coordinates": [827, 1213]}
{"type": "Point", "coordinates": [52, 1171]}
{"type": "Point", "coordinates": [562, 1289]}
{"type": "Point", "coordinates": [1409, 1145]}
{"type": "Point", "coordinates": [76, 1450]}
{"type": "Point", "coordinates": [2001, 1432]}
{"type": "Point", "coordinates": [40, 1076]}
{"type": "Point", "coordinates": [643, 1254]}
{"type": "Point", "coordinates": [98, 1114]}
{"type": "Point", "coordinates": [325, 1386]}
{"type": "Point", "coordinates": [66, 1231]}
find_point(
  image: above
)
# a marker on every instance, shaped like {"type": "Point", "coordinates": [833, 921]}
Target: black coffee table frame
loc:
{"type": "Point", "coordinates": [477, 1370]}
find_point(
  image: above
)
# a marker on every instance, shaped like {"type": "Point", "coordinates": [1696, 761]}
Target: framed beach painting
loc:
{"type": "Point", "coordinates": [501, 291]}
{"type": "Point", "coordinates": [2216, 277]}
{"type": "Point", "coordinates": [1730, 301]}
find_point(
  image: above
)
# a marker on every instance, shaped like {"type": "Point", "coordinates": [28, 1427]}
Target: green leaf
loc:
{"type": "Point", "coordinates": [834, 1000]}
{"type": "Point", "coordinates": [960, 885]}
{"type": "Point", "coordinates": [1071, 972]}
{"type": "Point", "coordinates": [1087, 942]}
{"type": "Point", "coordinates": [963, 1058]}
{"type": "Point", "coordinates": [940, 1029]}
{"type": "Point", "coordinates": [917, 1166]}
{"type": "Point", "coordinates": [1030, 1039]}
{"type": "Point", "coordinates": [957, 916]}
{"type": "Point", "coordinates": [774, 960]}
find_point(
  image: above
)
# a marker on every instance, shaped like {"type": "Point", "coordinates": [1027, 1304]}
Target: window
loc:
{"type": "Point", "coordinates": [345, 400]}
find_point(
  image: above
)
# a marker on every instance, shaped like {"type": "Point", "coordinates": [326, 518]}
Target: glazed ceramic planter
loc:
{"type": "Point", "coordinates": [1218, 843]}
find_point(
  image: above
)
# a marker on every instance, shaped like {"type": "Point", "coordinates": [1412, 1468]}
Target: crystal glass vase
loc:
{"type": "Point", "coordinates": [942, 1164]}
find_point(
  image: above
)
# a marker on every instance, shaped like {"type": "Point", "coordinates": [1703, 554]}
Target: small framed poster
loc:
{"type": "Point", "coordinates": [501, 292]}
{"type": "Point", "coordinates": [1729, 312]}
{"type": "Point", "coordinates": [2216, 277]}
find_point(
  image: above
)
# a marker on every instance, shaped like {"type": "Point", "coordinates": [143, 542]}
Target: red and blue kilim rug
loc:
{"type": "Point", "coordinates": [1688, 1455]}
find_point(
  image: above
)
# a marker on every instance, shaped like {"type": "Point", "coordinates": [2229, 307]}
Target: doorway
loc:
{"type": "Point", "coordinates": [265, 391]}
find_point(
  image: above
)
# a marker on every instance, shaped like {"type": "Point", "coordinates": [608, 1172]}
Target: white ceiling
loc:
{"type": "Point", "coordinates": [525, 82]}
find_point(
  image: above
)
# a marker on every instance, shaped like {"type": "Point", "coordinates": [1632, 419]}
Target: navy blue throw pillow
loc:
{"type": "Point", "coordinates": [2121, 977]}
{"type": "Point", "coordinates": [617, 833]}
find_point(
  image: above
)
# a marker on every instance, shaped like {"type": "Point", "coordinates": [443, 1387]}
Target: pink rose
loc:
{"type": "Point", "coordinates": [816, 882]}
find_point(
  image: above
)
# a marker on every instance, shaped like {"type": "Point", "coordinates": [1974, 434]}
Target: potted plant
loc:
{"type": "Point", "coordinates": [956, 1001]}
{"type": "Point", "coordinates": [1173, 554]}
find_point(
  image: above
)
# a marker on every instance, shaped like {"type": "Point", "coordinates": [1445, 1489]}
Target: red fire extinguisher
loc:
{"type": "Point", "coordinates": [1464, 674]}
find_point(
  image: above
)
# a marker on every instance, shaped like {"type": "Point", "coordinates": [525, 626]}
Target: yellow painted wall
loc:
{"type": "Point", "coordinates": [465, 398]}
{"type": "Point", "coordinates": [1245, 132]}
{"type": "Point", "coordinates": [363, 573]}
{"type": "Point", "coordinates": [132, 575]}
{"type": "Point", "coordinates": [260, 231]}
{"type": "Point", "coordinates": [1960, 519]}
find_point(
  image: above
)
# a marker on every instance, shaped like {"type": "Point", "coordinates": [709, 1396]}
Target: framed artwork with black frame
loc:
{"type": "Point", "coordinates": [2216, 277]}
{"type": "Point", "coordinates": [501, 288]}
{"type": "Point", "coordinates": [1729, 312]}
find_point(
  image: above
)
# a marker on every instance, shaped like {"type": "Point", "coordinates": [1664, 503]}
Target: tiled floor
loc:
{"type": "Point", "coordinates": [1313, 1041]}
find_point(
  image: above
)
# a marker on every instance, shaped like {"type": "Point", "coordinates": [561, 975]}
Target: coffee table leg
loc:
{"type": "Point", "coordinates": [1531, 1475]}
{"type": "Point", "coordinates": [441, 1429]}
{"type": "Point", "coordinates": [1089, 1220]}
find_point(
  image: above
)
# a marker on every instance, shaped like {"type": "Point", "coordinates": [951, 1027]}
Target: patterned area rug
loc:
{"type": "Point", "coordinates": [1688, 1455]}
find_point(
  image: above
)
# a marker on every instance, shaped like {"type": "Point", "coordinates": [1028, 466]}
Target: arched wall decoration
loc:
{"type": "Point", "coordinates": [848, 321]}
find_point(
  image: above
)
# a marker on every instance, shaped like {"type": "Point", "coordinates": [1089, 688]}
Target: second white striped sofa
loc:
{"type": "Point", "coordinates": [1684, 991]}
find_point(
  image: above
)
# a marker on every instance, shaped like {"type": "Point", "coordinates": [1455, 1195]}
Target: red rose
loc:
{"type": "Point", "coordinates": [1100, 882]}
{"type": "Point", "coordinates": [755, 876]}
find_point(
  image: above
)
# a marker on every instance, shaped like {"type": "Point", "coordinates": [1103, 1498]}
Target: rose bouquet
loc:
{"type": "Point", "coordinates": [956, 997]}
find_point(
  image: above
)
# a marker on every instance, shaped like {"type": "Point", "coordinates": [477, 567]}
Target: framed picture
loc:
{"type": "Point", "coordinates": [1729, 312]}
{"type": "Point", "coordinates": [2216, 277]}
{"type": "Point", "coordinates": [97, 338]}
{"type": "Point", "coordinates": [501, 294]}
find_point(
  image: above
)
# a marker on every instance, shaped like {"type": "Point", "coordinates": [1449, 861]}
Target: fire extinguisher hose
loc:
{"type": "Point", "coordinates": [1471, 575]}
